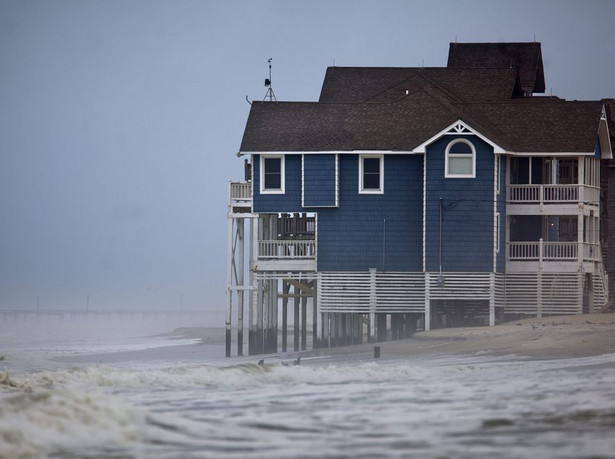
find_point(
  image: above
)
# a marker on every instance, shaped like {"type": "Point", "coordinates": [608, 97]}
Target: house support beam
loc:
{"type": "Point", "coordinates": [491, 299]}
{"type": "Point", "coordinates": [427, 325]}
{"type": "Point", "coordinates": [285, 291]}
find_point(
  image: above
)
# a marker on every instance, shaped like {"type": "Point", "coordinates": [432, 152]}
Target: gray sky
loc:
{"type": "Point", "coordinates": [120, 120]}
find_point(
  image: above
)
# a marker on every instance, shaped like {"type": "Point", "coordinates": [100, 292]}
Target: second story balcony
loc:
{"type": "Point", "coordinates": [553, 194]}
{"type": "Point", "coordinates": [552, 185]}
{"type": "Point", "coordinates": [287, 243]}
{"type": "Point", "coordinates": [240, 197]}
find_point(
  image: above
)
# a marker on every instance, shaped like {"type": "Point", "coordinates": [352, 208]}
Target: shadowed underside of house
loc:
{"type": "Point", "coordinates": [411, 198]}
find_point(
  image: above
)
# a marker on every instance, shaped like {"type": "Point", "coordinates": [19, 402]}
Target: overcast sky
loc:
{"type": "Point", "coordinates": [120, 121]}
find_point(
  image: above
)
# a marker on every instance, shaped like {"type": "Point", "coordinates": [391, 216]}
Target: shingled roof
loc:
{"type": "Point", "coordinates": [381, 84]}
{"type": "Point", "coordinates": [398, 109]}
{"type": "Point", "coordinates": [526, 57]}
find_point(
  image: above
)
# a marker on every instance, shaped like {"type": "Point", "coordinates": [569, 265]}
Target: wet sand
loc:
{"type": "Point", "coordinates": [542, 338]}
{"type": "Point", "coordinates": [537, 338]}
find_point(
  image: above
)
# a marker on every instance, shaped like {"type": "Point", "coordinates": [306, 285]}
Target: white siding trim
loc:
{"type": "Point", "coordinates": [496, 214]}
{"type": "Point", "coordinates": [302, 180]}
{"type": "Point", "coordinates": [424, 207]}
{"type": "Point", "coordinates": [451, 130]}
{"type": "Point", "coordinates": [337, 180]}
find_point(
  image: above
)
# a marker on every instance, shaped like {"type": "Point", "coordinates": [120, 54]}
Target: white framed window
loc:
{"type": "Point", "coordinates": [371, 174]}
{"type": "Point", "coordinates": [460, 159]}
{"type": "Point", "coordinates": [272, 174]}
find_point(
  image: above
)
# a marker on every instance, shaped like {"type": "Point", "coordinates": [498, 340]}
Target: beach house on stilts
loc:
{"type": "Point", "coordinates": [410, 198]}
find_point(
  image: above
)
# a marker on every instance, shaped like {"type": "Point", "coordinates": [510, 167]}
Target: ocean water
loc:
{"type": "Point", "coordinates": [134, 393]}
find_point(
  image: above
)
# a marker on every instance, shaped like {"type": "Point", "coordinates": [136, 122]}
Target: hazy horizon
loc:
{"type": "Point", "coordinates": [120, 122]}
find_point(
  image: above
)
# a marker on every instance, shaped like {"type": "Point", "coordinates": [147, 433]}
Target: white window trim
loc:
{"type": "Point", "coordinates": [497, 232]}
{"type": "Point", "coordinates": [498, 172]}
{"type": "Point", "coordinates": [371, 191]}
{"type": "Point", "coordinates": [282, 172]}
{"type": "Point", "coordinates": [457, 155]}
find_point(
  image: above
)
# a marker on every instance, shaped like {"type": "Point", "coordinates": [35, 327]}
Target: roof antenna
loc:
{"type": "Point", "coordinates": [269, 94]}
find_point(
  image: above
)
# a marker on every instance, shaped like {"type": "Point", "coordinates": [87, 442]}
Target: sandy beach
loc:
{"type": "Point", "coordinates": [548, 337]}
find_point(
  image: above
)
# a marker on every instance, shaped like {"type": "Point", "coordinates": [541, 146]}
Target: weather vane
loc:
{"type": "Point", "coordinates": [269, 94]}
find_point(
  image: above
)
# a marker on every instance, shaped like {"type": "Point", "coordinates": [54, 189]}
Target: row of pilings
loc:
{"type": "Point", "coordinates": [289, 320]}
{"type": "Point", "coordinates": [331, 330]}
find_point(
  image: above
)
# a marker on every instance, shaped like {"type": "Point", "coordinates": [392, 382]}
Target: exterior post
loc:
{"type": "Point", "coordinates": [539, 290]}
{"type": "Point", "coordinates": [253, 293]}
{"type": "Point", "coordinates": [304, 322]}
{"type": "Point", "coordinates": [427, 304]}
{"type": "Point", "coordinates": [372, 305]}
{"type": "Point", "coordinates": [580, 235]}
{"type": "Point", "coordinates": [591, 293]}
{"type": "Point", "coordinates": [580, 291]}
{"type": "Point", "coordinates": [240, 282]}
{"type": "Point", "coordinates": [296, 319]}
{"type": "Point", "coordinates": [229, 285]}
{"type": "Point", "coordinates": [315, 314]}
{"type": "Point", "coordinates": [285, 291]}
{"type": "Point", "coordinates": [491, 299]}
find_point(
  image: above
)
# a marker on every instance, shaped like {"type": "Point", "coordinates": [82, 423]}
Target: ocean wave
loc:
{"type": "Point", "coordinates": [41, 422]}
{"type": "Point", "coordinates": [251, 374]}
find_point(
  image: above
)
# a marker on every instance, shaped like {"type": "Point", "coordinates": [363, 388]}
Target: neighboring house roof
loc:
{"type": "Point", "coordinates": [526, 57]}
{"type": "Point", "coordinates": [399, 109]}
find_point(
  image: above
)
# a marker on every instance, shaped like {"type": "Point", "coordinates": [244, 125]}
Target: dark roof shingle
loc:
{"type": "Point", "coordinates": [526, 57]}
{"type": "Point", "coordinates": [400, 108]}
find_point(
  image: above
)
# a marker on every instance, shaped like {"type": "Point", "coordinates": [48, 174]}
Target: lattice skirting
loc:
{"type": "Point", "coordinates": [387, 292]}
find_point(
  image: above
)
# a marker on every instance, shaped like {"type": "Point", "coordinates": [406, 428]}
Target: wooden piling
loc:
{"type": "Point", "coordinates": [285, 290]}
{"type": "Point", "coordinates": [296, 319]}
{"type": "Point", "coordinates": [303, 323]}
{"type": "Point", "coordinates": [315, 343]}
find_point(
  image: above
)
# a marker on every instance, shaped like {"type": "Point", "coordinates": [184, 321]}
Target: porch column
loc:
{"type": "Point", "coordinates": [372, 305]}
{"type": "Point", "coordinates": [240, 281]}
{"type": "Point", "coordinates": [491, 299]}
{"type": "Point", "coordinates": [539, 292]}
{"type": "Point", "coordinates": [229, 291]}
{"type": "Point", "coordinates": [427, 304]}
{"type": "Point", "coordinates": [580, 291]}
{"type": "Point", "coordinates": [580, 234]}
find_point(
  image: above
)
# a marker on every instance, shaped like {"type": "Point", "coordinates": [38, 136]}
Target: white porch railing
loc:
{"type": "Point", "coordinates": [287, 249]}
{"type": "Point", "coordinates": [240, 191]}
{"type": "Point", "coordinates": [552, 251]}
{"type": "Point", "coordinates": [541, 194]}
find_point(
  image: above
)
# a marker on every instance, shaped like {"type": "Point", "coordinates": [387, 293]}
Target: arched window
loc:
{"type": "Point", "coordinates": [460, 159]}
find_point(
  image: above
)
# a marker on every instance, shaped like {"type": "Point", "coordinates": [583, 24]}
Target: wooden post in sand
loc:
{"type": "Point", "coordinates": [427, 325]}
{"type": "Point", "coordinates": [285, 290]}
{"type": "Point", "coordinates": [372, 305]}
{"type": "Point", "coordinates": [303, 322]}
{"type": "Point", "coordinates": [296, 319]}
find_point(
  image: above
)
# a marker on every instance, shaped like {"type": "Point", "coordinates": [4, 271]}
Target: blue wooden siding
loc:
{"type": "Point", "coordinates": [319, 180]}
{"type": "Point", "coordinates": [467, 212]}
{"type": "Point", "coordinates": [382, 231]}
{"type": "Point", "coordinates": [290, 201]}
